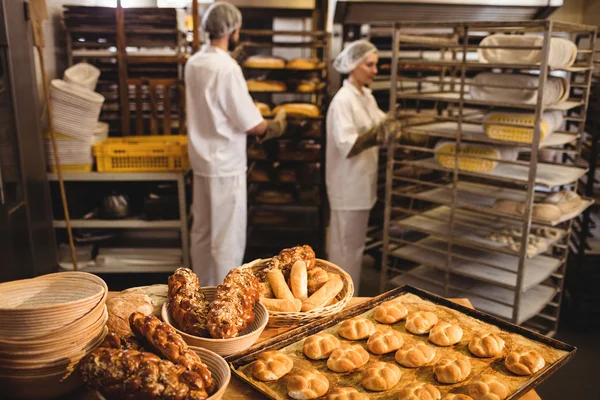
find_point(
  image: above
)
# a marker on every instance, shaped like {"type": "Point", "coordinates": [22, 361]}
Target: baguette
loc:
{"type": "Point", "coordinates": [279, 286]}
{"type": "Point", "coordinates": [324, 295]}
{"type": "Point", "coordinates": [298, 280]}
{"type": "Point", "coordinates": [282, 305]}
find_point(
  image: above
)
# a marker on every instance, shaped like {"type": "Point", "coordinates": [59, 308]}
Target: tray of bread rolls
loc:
{"type": "Point", "coordinates": [404, 344]}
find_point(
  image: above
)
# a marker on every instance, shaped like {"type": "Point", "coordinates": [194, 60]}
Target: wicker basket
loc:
{"type": "Point", "coordinates": [279, 319]}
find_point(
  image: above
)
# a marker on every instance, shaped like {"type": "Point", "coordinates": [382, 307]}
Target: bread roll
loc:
{"type": "Point", "coordinates": [304, 63]}
{"type": "Point", "coordinates": [347, 358]}
{"type": "Point", "coordinates": [524, 362]}
{"type": "Point", "coordinates": [278, 284]}
{"type": "Point", "coordinates": [299, 109]}
{"type": "Point", "coordinates": [390, 312]}
{"type": "Point", "coordinates": [266, 86]}
{"type": "Point", "coordinates": [487, 387]}
{"type": "Point", "coordinates": [299, 280]}
{"type": "Point", "coordinates": [324, 295]}
{"type": "Point", "coordinates": [567, 201]}
{"type": "Point", "coordinates": [385, 342]}
{"type": "Point", "coordinates": [380, 376]}
{"type": "Point", "coordinates": [272, 365]}
{"type": "Point", "coordinates": [453, 396]}
{"type": "Point", "coordinates": [320, 346]}
{"type": "Point", "coordinates": [419, 391]}
{"type": "Point", "coordinates": [145, 299]}
{"type": "Point", "coordinates": [445, 334]}
{"type": "Point", "coordinates": [307, 384]}
{"type": "Point", "coordinates": [346, 393]}
{"type": "Point", "coordinates": [452, 369]}
{"type": "Point", "coordinates": [282, 305]}
{"type": "Point", "coordinates": [486, 344]}
{"type": "Point", "coordinates": [356, 329]}
{"type": "Point", "coordinates": [264, 62]}
{"type": "Point", "coordinates": [420, 322]}
{"type": "Point", "coordinates": [415, 355]}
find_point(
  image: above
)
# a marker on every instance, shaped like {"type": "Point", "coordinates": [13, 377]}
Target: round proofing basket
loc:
{"type": "Point", "coordinates": [278, 319]}
{"type": "Point", "coordinates": [223, 347]}
{"type": "Point", "coordinates": [219, 370]}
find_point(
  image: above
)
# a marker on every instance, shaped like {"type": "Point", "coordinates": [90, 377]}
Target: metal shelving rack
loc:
{"type": "Point", "coordinates": [306, 218]}
{"type": "Point", "coordinates": [435, 228]}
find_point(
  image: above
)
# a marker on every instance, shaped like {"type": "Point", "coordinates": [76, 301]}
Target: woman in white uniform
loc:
{"type": "Point", "coordinates": [355, 124]}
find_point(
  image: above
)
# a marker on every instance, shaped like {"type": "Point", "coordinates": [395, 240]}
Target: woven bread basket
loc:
{"type": "Point", "coordinates": [278, 319]}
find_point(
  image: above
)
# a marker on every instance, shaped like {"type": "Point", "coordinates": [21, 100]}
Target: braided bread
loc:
{"type": "Point", "coordinates": [186, 302]}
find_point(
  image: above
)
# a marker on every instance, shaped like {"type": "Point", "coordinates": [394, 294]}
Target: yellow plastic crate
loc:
{"type": "Point", "coordinates": [142, 154]}
{"type": "Point", "coordinates": [495, 130]}
{"type": "Point", "coordinates": [465, 162]}
{"type": "Point", "coordinates": [70, 168]}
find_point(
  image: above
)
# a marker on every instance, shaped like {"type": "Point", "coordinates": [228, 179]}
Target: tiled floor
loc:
{"type": "Point", "coordinates": [578, 380]}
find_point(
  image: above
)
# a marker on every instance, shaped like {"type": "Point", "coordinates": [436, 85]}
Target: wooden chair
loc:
{"type": "Point", "coordinates": [162, 102]}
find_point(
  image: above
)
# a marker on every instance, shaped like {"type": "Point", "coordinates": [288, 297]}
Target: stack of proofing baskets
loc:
{"type": "Point", "coordinates": [48, 324]}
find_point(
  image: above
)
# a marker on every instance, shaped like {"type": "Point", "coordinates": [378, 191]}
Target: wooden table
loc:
{"type": "Point", "coordinates": [238, 390]}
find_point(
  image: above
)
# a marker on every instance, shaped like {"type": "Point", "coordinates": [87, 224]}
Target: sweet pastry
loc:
{"type": "Point", "coordinates": [415, 355]}
{"type": "Point", "coordinates": [324, 295]}
{"type": "Point", "coordinates": [445, 334]}
{"type": "Point", "coordinates": [232, 308]}
{"type": "Point", "coordinates": [304, 63]}
{"type": "Point", "coordinates": [356, 328]}
{"type": "Point", "coordinates": [266, 86]}
{"type": "Point", "coordinates": [320, 346]}
{"type": "Point", "coordinates": [524, 362]}
{"type": "Point", "coordinates": [567, 201]}
{"type": "Point", "coordinates": [282, 305]}
{"type": "Point", "coordinates": [452, 369]}
{"type": "Point", "coordinates": [186, 302]}
{"type": "Point", "coordinates": [384, 342]}
{"type": "Point", "coordinates": [299, 109]}
{"type": "Point", "coordinates": [452, 396]}
{"type": "Point", "coordinates": [380, 376]}
{"type": "Point", "coordinates": [419, 391]}
{"type": "Point", "coordinates": [420, 322]}
{"type": "Point", "coordinates": [486, 344]}
{"type": "Point", "coordinates": [264, 109]}
{"type": "Point", "coordinates": [346, 393]}
{"type": "Point", "coordinates": [272, 365]}
{"type": "Point", "coordinates": [347, 357]}
{"type": "Point", "coordinates": [264, 62]}
{"type": "Point", "coordinates": [487, 387]}
{"type": "Point", "coordinates": [390, 312]}
{"type": "Point", "coordinates": [307, 384]}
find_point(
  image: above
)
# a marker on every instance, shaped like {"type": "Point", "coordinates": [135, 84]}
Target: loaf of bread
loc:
{"type": "Point", "coordinates": [524, 362]}
{"type": "Point", "coordinates": [452, 369]}
{"type": "Point", "coordinates": [414, 355]}
{"type": "Point", "coordinates": [307, 384]}
{"type": "Point", "coordinates": [567, 201]}
{"type": "Point", "coordinates": [390, 312]}
{"type": "Point", "coordinates": [146, 299]}
{"type": "Point", "coordinates": [486, 344]}
{"type": "Point", "coordinates": [324, 295]}
{"type": "Point", "coordinates": [543, 212]}
{"type": "Point", "coordinates": [347, 357]}
{"type": "Point", "coordinates": [307, 86]}
{"type": "Point", "coordinates": [445, 334]}
{"type": "Point", "coordinates": [299, 280]}
{"type": "Point", "coordinates": [320, 346]}
{"type": "Point", "coordinates": [304, 63]}
{"type": "Point", "coordinates": [356, 328]}
{"type": "Point", "coordinates": [346, 393]}
{"type": "Point", "coordinates": [266, 86]}
{"type": "Point", "coordinates": [508, 206]}
{"type": "Point", "coordinates": [187, 304]}
{"type": "Point", "coordinates": [264, 62]}
{"type": "Point", "coordinates": [380, 376]}
{"type": "Point", "coordinates": [299, 109]}
{"type": "Point", "coordinates": [271, 366]}
{"type": "Point", "coordinates": [419, 391]}
{"type": "Point", "coordinates": [282, 305]}
{"type": "Point", "coordinates": [385, 342]}
{"type": "Point", "coordinates": [420, 322]}
{"type": "Point", "coordinates": [487, 387]}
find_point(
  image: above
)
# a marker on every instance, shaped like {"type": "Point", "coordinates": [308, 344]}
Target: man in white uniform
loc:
{"type": "Point", "coordinates": [355, 124]}
{"type": "Point", "coordinates": [221, 114]}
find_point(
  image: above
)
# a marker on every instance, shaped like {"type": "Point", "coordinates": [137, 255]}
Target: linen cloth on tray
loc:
{"type": "Point", "coordinates": [519, 88]}
{"type": "Point", "coordinates": [563, 52]}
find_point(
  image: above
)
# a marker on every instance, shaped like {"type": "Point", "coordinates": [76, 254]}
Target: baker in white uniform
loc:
{"type": "Point", "coordinates": [220, 115]}
{"type": "Point", "coordinates": [355, 124]}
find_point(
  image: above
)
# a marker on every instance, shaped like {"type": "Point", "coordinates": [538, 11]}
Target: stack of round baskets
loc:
{"type": "Point", "coordinates": [48, 324]}
{"type": "Point", "coordinates": [287, 319]}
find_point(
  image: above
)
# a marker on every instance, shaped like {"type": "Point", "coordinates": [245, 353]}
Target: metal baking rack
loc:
{"type": "Point", "coordinates": [301, 219]}
{"type": "Point", "coordinates": [437, 222]}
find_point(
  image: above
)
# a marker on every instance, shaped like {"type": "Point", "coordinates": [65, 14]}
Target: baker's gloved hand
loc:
{"type": "Point", "coordinates": [381, 134]}
{"type": "Point", "coordinates": [275, 127]}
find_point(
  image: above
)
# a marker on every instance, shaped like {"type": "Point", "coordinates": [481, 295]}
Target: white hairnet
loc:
{"type": "Point", "coordinates": [221, 18]}
{"type": "Point", "coordinates": [353, 55]}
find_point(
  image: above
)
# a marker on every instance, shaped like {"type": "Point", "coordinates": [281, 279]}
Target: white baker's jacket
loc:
{"type": "Point", "coordinates": [351, 182]}
{"type": "Point", "coordinates": [219, 113]}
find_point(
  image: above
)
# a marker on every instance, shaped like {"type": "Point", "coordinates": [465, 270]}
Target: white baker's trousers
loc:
{"type": "Point", "coordinates": [218, 236]}
{"type": "Point", "coordinates": [346, 244]}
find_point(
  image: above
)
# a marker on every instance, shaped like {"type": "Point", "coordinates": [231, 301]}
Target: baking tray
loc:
{"type": "Point", "coordinates": [555, 353]}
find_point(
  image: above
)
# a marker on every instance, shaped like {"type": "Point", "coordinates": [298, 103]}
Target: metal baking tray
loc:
{"type": "Point", "coordinates": [555, 353]}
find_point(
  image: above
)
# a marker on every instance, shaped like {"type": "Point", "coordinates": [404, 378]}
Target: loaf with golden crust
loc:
{"type": "Point", "coordinates": [385, 342]}
{"type": "Point", "coordinates": [272, 365]}
{"type": "Point", "coordinates": [114, 341]}
{"type": "Point", "coordinates": [414, 355]}
{"type": "Point", "coordinates": [420, 322]}
{"type": "Point", "coordinates": [307, 384]}
{"type": "Point", "coordinates": [346, 393]}
{"type": "Point", "coordinates": [356, 328]}
{"type": "Point", "coordinates": [524, 362]}
{"type": "Point", "coordinates": [266, 86]}
{"type": "Point", "coordinates": [264, 62]}
{"type": "Point", "coordinates": [186, 302]}
{"type": "Point", "coordinates": [380, 376]}
{"type": "Point", "coordinates": [320, 346]}
{"type": "Point", "coordinates": [390, 312]}
{"type": "Point", "coordinates": [419, 391]}
{"type": "Point", "coordinates": [452, 369]}
{"type": "Point", "coordinates": [486, 344]}
{"type": "Point", "coordinates": [487, 387]}
{"type": "Point", "coordinates": [445, 334]}
{"type": "Point", "coordinates": [347, 357]}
